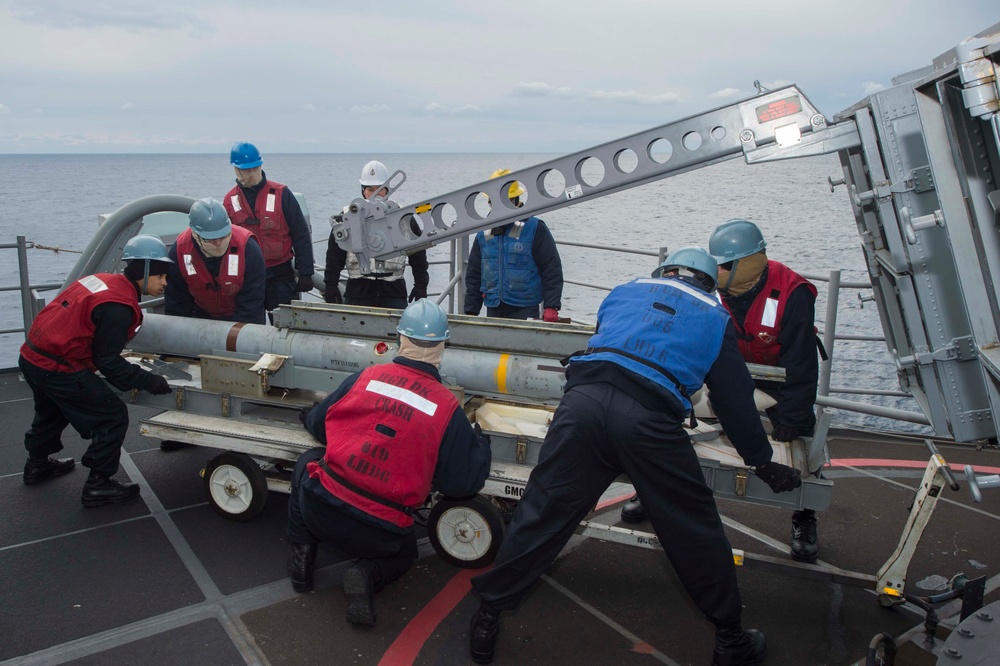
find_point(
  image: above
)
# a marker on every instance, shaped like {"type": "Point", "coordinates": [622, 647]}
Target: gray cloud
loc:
{"type": "Point", "coordinates": [126, 14]}
{"type": "Point", "coordinates": [442, 110]}
{"type": "Point", "coordinates": [371, 109]}
{"type": "Point", "coordinates": [540, 89]}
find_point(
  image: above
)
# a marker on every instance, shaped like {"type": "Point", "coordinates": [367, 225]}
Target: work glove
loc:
{"type": "Point", "coordinates": [550, 314]}
{"type": "Point", "coordinates": [157, 385]}
{"type": "Point", "coordinates": [305, 284]}
{"type": "Point", "coordinates": [332, 295]}
{"type": "Point", "coordinates": [784, 433]}
{"type": "Point", "coordinates": [780, 478]}
{"type": "Point", "coordinates": [419, 291]}
{"type": "Point", "coordinates": [480, 434]}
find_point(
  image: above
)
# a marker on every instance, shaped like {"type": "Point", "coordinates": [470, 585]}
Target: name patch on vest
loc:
{"type": "Point", "coordinates": [235, 200]}
{"type": "Point", "coordinates": [270, 203]}
{"type": "Point", "coordinates": [189, 265]}
{"type": "Point", "coordinates": [93, 284]}
{"type": "Point", "coordinates": [407, 396]}
{"type": "Point", "coordinates": [770, 313]}
{"type": "Point", "coordinates": [234, 264]}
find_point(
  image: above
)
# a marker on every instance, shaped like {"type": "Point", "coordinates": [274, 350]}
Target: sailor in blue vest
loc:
{"type": "Point", "coordinates": [514, 268]}
{"type": "Point", "coordinates": [626, 401]}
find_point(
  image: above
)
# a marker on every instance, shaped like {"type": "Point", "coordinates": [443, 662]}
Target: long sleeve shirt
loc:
{"type": "Point", "coordinates": [546, 257]}
{"type": "Point", "coordinates": [298, 229]}
{"type": "Point", "coordinates": [178, 300]}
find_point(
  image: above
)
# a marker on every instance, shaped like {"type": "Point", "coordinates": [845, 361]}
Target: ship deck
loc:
{"type": "Point", "coordinates": [165, 580]}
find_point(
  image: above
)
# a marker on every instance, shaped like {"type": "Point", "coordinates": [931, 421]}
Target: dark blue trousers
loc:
{"type": "Point", "coordinates": [280, 291]}
{"type": "Point", "coordinates": [80, 399]}
{"type": "Point", "coordinates": [315, 517]}
{"type": "Point", "coordinates": [597, 433]}
{"type": "Point", "coordinates": [505, 311]}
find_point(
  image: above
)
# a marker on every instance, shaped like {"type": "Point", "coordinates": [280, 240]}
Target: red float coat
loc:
{"type": "Point", "coordinates": [265, 219]}
{"type": "Point", "coordinates": [758, 338]}
{"type": "Point", "coordinates": [214, 295]}
{"type": "Point", "coordinates": [383, 439]}
{"type": "Point", "coordinates": [64, 328]}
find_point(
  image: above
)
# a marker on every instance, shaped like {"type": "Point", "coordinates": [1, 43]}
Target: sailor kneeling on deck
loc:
{"type": "Point", "coordinates": [624, 408]}
{"type": "Point", "coordinates": [84, 330]}
{"type": "Point", "coordinates": [392, 433]}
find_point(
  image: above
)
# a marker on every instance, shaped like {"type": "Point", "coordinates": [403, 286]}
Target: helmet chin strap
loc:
{"type": "Point", "coordinates": [145, 278]}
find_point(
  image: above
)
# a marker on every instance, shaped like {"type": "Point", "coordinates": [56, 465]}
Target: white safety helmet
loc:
{"type": "Point", "coordinates": [373, 174]}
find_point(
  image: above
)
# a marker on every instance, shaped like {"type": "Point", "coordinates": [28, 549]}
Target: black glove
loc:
{"type": "Point", "coordinates": [332, 295]}
{"type": "Point", "coordinates": [419, 291]}
{"type": "Point", "coordinates": [784, 433]}
{"type": "Point", "coordinates": [157, 385]}
{"type": "Point", "coordinates": [305, 284]}
{"type": "Point", "coordinates": [480, 434]}
{"type": "Point", "coordinates": [781, 478]}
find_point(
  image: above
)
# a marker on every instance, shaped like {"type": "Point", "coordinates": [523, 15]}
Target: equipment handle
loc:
{"type": "Point", "coordinates": [977, 482]}
{"type": "Point", "coordinates": [949, 476]}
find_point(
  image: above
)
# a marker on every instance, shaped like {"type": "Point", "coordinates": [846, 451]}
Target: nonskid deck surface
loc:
{"type": "Point", "coordinates": [165, 580]}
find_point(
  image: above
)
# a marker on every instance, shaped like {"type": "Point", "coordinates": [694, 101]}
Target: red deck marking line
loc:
{"type": "Point", "coordinates": [614, 500]}
{"type": "Point", "coordinates": [407, 646]}
{"type": "Point", "coordinates": [915, 464]}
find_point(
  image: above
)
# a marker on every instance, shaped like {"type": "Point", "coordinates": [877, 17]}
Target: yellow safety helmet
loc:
{"type": "Point", "coordinates": [516, 189]}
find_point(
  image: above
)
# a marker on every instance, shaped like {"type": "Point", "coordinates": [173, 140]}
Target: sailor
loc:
{"type": "Point", "coordinates": [82, 332]}
{"type": "Point", "coordinates": [773, 308]}
{"type": "Point", "coordinates": [270, 210]}
{"type": "Point", "coordinates": [386, 287]}
{"type": "Point", "coordinates": [624, 408]}
{"type": "Point", "coordinates": [392, 432]}
{"type": "Point", "coordinates": [219, 270]}
{"type": "Point", "coordinates": [514, 267]}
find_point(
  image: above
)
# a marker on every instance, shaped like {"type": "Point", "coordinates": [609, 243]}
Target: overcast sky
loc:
{"type": "Point", "coordinates": [100, 76]}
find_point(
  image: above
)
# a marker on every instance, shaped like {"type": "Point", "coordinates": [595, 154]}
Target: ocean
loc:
{"type": "Point", "coordinates": [55, 200]}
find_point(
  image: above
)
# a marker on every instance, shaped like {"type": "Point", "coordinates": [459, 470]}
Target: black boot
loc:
{"type": "Point", "coordinates": [39, 469]}
{"type": "Point", "coordinates": [805, 540]}
{"type": "Point", "coordinates": [359, 588]}
{"type": "Point", "coordinates": [172, 445]}
{"type": "Point", "coordinates": [300, 564]}
{"type": "Point", "coordinates": [102, 489]}
{"type": "Point", "coordinates": [736, 647]}
{"type": "Point", "coordinates": [634, 511]}
{"type": "Point", "coordinates": [483, 630]}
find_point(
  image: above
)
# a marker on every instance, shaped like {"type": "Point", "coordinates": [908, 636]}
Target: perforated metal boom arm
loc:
{"type": "Point", "coordinates": [777, 124]}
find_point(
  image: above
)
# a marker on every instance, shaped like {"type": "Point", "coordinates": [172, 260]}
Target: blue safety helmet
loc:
{"type": "Point", "coordinates": [692, 259]}
{"type": "Point", "coordinates": [734, 240]}
{"type": "Point", "coordinates": [208, 219]}
{"type": "Point", "coordinates": [245, 156]}
{"type": "Point", "coordinates": [424, 320]}
{"type": "Point", "coordinates": [145, 247]}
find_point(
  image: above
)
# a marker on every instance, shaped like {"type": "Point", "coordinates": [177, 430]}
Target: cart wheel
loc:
{"type": "Point", "coordinates": [235, 486]}
{"type": "Point", "coordinates": [466, 533]}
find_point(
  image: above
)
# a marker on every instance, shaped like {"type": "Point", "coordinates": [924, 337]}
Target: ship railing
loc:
{"type": "Point", "coordinates": [31, 302]}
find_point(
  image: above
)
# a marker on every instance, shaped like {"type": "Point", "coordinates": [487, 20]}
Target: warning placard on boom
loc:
{"type": "Point", "coordinates": [777, 109]}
